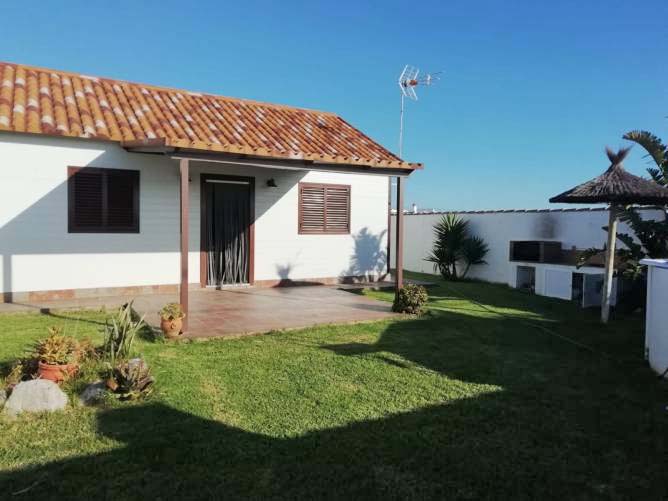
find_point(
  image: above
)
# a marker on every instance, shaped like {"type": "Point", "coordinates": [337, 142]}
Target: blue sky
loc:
{"type": "Point", "coordinates": [531, 92]}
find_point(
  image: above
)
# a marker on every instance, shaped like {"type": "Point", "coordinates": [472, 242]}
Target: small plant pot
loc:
{"type": "Point", "coordinates": [171, 328]}
{"type": "Point", "coordinates": [56, 373]}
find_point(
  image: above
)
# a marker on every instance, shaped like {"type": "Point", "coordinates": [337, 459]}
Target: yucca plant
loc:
{"type": "Point", "coordinates": [474, 251]}
{"type": "Point", "coordinates": [119, 334]}
{"type": "Point", "coordinates": [454, 246]}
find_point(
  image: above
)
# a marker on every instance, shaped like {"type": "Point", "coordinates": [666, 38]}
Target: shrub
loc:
{"type": "Point", "coordinates": [119, 334]}
{"type": "Point", "coordinates": [171, 311]}
{"type": "Point", "coordinates": [410, 299]}
{"type": "Point", "coordinates": [57, 349]}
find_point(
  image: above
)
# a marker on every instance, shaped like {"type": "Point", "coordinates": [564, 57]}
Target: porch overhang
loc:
{"type": "Point", "coordinates": [184, 156]}
{"type": "Point", "coordinates": [323, 163]}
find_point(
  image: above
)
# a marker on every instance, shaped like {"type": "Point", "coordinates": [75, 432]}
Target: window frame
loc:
{"type": "Point", "coordinates": [72, 227]}
{"type": "Point", "coordinates": [300, 231]}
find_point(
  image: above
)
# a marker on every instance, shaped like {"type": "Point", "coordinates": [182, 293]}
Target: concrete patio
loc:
{"type": "Point", "coordinates": [239, 311]}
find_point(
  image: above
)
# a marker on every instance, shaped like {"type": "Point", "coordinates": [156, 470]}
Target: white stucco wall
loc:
{"type": "Point", "coordinates": [581, 229]}
{"type": "Point", "coordinates": [38, 253]}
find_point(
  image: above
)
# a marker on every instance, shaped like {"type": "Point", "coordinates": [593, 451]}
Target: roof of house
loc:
{"type": "Point", "coordinates": [43, 101]}
{"type": "Point", "coordinates": [616, 186]}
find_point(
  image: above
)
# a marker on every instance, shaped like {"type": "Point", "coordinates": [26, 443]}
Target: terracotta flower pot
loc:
{"type": "Point", "coordinates": [171, 328]}
{"type": "Point", "coordinates": [56, 373]}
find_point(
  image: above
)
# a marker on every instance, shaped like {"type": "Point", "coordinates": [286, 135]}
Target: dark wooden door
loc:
{"type": "Point", "coordinates": [227, 211]}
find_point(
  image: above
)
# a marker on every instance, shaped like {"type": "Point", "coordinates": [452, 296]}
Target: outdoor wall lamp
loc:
{"type": "Point", "coordinates": [271, 183]}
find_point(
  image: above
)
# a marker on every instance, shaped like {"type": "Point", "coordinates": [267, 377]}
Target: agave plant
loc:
{"type": "Point", "coordinates": [454, 246]}
{"type": "Point", "coordinates": [131, 380]}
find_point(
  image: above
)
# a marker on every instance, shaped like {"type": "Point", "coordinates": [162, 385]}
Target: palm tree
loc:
{"type": "Point", "coordinates": [656, 150]}
{"type": "Point", "coordinates": [454, 245]}
{"type": "Point", "coordinates": [653, 235]}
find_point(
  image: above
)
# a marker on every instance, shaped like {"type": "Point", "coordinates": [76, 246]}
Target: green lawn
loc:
{"type": "Point", "coordinates": [484, 397]}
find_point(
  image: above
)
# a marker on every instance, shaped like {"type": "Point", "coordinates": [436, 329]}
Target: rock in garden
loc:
{"type": "Point", "coordinates": [38, 395]}
{"type": "Point", "coordinates": [93, 393]}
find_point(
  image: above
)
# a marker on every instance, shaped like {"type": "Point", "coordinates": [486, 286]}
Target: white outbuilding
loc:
{"type": "Point", "coordinates": [656, 327]}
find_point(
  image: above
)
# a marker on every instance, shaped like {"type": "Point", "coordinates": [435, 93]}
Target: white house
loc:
{"type": "Point", "coordinates": [108, 186]}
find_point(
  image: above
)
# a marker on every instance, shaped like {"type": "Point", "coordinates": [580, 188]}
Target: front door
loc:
{"type": "Point", "coordinates": [226, 229]}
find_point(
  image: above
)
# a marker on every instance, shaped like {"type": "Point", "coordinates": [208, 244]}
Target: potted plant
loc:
{"type": "Point", "coordinates": [171, 320]}
{"type": "Point", "coordinates": [57, 356]}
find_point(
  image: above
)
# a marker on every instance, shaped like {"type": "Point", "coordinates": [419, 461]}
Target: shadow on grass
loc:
{"type": "Point", "coordinates": [66, 315]}
{"type": "Point", "coordinates": [462, 450]}
{"type": "Point", "coordinates": [173, 455]}
{"type": "Point", "coordinates": [555, 423]}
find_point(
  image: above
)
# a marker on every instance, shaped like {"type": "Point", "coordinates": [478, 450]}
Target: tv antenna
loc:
{"type": "Point", "coordinates": [409, 80]}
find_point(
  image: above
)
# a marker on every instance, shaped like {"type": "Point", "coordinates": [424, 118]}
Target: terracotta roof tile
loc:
{"type": "Point", "coordinates": [42, 101]}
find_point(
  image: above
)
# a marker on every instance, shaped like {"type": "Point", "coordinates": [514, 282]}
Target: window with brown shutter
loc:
{"type": "Point", "coordinates": [324, 208]}
{"type": "Point", "coordinates": [103, 200]}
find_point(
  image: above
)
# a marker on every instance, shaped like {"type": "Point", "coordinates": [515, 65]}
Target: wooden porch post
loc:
{"type": "Point", "coordinates": [389, 225]}
{"type": "Point", "coordinates": [399, 253]}
{"type": "Point", "coordinates": [609, 265]}
{"type": "Point", "coordinates": [183, 289]}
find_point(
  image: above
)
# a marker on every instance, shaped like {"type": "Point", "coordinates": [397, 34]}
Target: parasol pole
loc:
{"type": "Point", "coordinates": [609, 264]}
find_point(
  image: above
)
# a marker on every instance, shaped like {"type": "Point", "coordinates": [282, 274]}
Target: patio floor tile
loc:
{"type": "Point", "coordinates": [241, 311]}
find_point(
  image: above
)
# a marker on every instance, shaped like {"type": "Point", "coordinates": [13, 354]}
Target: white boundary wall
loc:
{"type": "Point", "coordinates": [579, 228]}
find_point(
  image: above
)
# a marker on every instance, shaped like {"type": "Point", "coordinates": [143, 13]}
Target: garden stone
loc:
{"type": "Point", "coordinates": [93, 393]}
{"type": "Point", "coordinates": [38, 395]}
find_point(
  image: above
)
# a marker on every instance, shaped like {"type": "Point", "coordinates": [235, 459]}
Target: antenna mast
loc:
{"type": "Point", "coordinates": [408, 81]}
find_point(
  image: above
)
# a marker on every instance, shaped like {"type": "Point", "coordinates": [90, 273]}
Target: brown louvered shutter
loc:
{"type": "Point", "coordinates": [86, 199]}
{"type": "Point", "coordinates": [103, 200]}
{"type": "Point", "coordinates": [324, 208]}
{"type": "Point", "coordinates": [121, 210]}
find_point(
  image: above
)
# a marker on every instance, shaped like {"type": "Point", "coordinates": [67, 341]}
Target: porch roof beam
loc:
{"type": "Point", "coordinates": [293, 165]}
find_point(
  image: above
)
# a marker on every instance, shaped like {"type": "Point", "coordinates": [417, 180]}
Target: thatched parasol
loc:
{"type": "Point", "coordinates": [615, 187]}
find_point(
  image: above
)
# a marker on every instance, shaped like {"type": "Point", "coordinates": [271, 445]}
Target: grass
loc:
{"type": "Point", "coordinates": [487, 396]}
